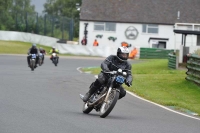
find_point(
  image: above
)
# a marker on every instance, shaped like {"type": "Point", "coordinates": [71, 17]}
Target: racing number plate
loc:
{"type": "Point", "coordinates": [120, 79]}
{"type": "Point", "coordinates": [33, 56]}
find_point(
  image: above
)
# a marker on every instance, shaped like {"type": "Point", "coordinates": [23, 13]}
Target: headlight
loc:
{"type": "Point", "coordinates": [119, 70]}
{"type": "Point", "coordinates": [124, 73]}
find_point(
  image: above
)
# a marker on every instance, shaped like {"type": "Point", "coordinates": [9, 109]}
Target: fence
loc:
{"type": "Point", "coordinates": [172, 61]}
{"type": "Point", "coordinates": [42, 24]}
{"type": "Point", "coordinates": [154, 53]}
{"type": "Point", "coordinates": [193, 66]}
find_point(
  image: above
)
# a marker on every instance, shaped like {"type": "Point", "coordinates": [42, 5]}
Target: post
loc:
{"type": "Point", "coordinates": [26, 21]}
{"type": "Point", "coordinates": [52, 26]}
{"type": "Point", "coordinates": [71, 26]}
{"type": "Point", "coordinates": [62, 28]}
{"type": "Point", "coordinates": [36, 23]}
{"type": "Point", "coordinates": [45, 24]}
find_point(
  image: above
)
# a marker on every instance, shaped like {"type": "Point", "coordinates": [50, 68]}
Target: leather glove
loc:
{"type": "Point", "coordinates": [128, 83]}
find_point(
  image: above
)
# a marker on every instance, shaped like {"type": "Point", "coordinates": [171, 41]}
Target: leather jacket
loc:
{"type": "Point", "coordinates": [33, 51]}
{"type": "Point", "coordinates": [113, 63]}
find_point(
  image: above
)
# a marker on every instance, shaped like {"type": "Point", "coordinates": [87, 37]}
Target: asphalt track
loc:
{"type": "Point", "coordinates": [47, 101]}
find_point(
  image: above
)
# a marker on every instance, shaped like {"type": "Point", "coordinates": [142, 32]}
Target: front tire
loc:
{"type": "Point", "coordinates": [87, 109]}
{"type": "Point", "coordinates": [106, 108]}
{"type": "Point", "coordinates": [32, 64]}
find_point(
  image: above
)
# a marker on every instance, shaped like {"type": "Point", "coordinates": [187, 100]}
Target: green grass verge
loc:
{"type": "Point", "coordinates": [16, 47]}
{"type": "Point", "coordinates": [154, 81]}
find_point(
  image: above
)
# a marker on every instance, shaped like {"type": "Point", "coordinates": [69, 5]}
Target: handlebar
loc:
{"type": "Point", "coordinates": [111, 72]}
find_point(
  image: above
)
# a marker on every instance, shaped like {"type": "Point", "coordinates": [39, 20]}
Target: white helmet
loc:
{"type": "Point", "coordinates": [123, 53]}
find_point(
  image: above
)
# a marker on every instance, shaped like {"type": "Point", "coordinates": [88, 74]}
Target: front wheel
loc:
{"type": "Point", "coordinates": [87, 109]}
{"type": "Point", "coordinates": [106, 108]}
{"type": "Point", "coordinates": [32, 64]}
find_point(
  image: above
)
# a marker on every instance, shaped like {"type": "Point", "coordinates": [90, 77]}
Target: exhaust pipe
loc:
{"type": "Point", "coordinates": [92, 104]}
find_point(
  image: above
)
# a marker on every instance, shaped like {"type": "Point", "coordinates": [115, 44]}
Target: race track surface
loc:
{"type": "Point", "coordinates": [47, 101]}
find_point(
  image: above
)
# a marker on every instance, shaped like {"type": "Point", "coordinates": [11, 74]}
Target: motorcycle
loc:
{"type": "Point", "coordinates": [40, 59]}
{"type": "Point", "coordinates": [32, 61]}
{"type": "Point", "coordinates": [55, 59]}
{"type": "Point", "coordinates": [104, 99]}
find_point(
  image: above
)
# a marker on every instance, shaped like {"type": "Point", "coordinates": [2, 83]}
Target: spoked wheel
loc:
{"type": "Point", "coordinates": [106, 108]}
{"type": "Point", "coordinates": [87, 109]}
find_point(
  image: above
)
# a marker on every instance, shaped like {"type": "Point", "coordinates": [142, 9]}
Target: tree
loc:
{"type": "Point", "coordinates": [6, 19]}
{"type": "Point", "coordinates": [65, 8]}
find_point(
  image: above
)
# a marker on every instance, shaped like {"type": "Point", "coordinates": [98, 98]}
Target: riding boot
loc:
{"type": "Point", "coordinates": [93, 88]}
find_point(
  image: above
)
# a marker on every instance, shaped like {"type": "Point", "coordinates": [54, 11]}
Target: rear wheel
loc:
{"type": "Point", "coordinates": [40, 61]}
{"type": "Point", "coordinates": [106, 108]}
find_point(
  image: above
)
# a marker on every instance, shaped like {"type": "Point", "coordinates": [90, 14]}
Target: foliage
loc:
{"type": "Point", "coordinates": [20, 15]}
{"type": "Point", "coordinates": [9, 10]}
{"type": "Point", "coordinates": [64, 8]}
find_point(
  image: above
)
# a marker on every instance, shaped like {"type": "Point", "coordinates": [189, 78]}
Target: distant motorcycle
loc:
{"type": "Point", "coordinates": [104, 100]}
{"type": "Point", "coordinates": [40, 59]}
{"type": "Point", "coordinates": [54, 59]}
{"type": "Point", "coordinates": [32, 61]}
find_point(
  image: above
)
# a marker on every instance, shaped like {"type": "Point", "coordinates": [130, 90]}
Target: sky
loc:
{"type": "Point", "coordinates": [38, 5]}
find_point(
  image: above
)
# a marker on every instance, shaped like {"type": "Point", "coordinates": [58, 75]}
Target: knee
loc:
{"type": "Point", "coordinates": [101, 78]}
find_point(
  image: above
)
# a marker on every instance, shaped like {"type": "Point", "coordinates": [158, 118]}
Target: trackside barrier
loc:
{"type": "Point", "coordinates": [154, 53]}
{"type": "Point", "coordinates": [193, 66]}
{"type": "Point", "coordinates": [172, 61]}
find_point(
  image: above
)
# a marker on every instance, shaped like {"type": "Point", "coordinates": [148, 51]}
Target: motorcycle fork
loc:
{"type": "Point", "coordinates": [109, 90]}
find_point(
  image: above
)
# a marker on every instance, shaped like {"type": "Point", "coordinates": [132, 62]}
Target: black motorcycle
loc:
{"type": "Point", "coordinates": [104, 99]}
{"type": "Point", "coordinates": [32, 61]}
{"type": "Point", "coordinates": [54, 59]}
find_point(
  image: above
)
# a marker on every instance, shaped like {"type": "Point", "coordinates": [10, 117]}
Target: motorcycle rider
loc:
{"type": "Point", "coordinates": [33, 50]}
{"type": "Point", "coordinates": [112, 63]}
{"type": "Point", "coordinates": [54, 50]}
{"type": "Point", "coordinates": [43, 52]}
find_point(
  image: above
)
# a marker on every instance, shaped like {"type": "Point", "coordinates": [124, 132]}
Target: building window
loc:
{"type": "Point", "coordinates": [150, 28]}
{"type": "Point", "coordinates": [100, 26]}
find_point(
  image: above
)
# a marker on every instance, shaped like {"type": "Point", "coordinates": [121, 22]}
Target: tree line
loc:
{"type": "Point", "coordinates": [60, 18]}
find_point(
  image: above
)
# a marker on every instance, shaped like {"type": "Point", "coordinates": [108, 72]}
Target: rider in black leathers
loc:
{"type": "Point", "coordinates": [33, 50]}
{"type": "Point", "coordinates": [112, 63]}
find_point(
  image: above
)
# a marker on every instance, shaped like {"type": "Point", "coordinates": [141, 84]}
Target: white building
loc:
{"type": "Point", "coordinates": [142, 23]}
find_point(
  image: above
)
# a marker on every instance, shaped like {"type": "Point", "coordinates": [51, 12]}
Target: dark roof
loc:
{"type": "Point", "coordinates": [154, 38]}
{"type": "Point", "coordinates": [141, 11]}
{"type": "Point", "coordinates": [187, 32]}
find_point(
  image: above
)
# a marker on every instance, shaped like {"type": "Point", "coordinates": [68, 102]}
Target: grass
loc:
{"type": "Point", "coordinates": [16, 47]}
{"type": "Point", "coordinates": [155, 82]}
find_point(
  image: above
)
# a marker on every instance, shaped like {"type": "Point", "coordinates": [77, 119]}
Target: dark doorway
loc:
{"type": "Point", "coordinates": [162, 45]}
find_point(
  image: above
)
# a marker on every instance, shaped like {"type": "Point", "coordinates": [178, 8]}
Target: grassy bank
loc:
{"type": "Point", "coordinates": [15, 47]}
{"type": "Point", "coordinates": [154, 81]}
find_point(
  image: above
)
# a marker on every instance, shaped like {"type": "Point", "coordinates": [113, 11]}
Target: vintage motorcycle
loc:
{"type": "Point", "coordinates": [104, 99]}
{"type": "Point", "coordinates": [54, 59]}
{"type": "Point", "coordinates": [32, 61]}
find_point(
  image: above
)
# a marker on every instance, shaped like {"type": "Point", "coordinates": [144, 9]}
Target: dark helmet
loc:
{"type": "Point", "coordinates": [123, 53]}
